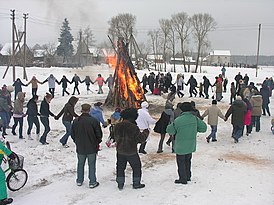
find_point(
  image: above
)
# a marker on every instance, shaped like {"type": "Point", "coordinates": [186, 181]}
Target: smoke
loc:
{"type": "Point", "coordinates": [80, 13]}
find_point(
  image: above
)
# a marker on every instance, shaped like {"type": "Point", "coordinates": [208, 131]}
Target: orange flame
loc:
{"type": "Point", "coordinates": [126, 81]}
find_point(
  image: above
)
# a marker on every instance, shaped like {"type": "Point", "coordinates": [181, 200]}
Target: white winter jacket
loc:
{"type": "Point", "coordinates": [51, 82]}
{"type": "Point", "coordinates": [144, 119]}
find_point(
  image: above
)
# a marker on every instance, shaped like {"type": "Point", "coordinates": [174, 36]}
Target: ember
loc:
{"type": "Point", "coordinates": [127, 91]}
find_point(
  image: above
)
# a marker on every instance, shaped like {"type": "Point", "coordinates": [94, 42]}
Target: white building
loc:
{"type": "Point", "coordinates": [219, 57]}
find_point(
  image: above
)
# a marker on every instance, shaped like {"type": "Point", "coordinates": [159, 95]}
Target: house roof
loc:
{"type": "Point", "coordinates": [220, 53]}
{"type": "Point", "coordinates": [152, 57]}
{"type": "Point", "coordinates": [39, 53]}
{"type": "Point", "coordinates": [7, 49]}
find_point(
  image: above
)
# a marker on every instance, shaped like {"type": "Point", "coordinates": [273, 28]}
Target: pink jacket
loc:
{"type": "Point", "coordinates": [247, 118]}
{"type": "Point", "coordinates": [100, 80]}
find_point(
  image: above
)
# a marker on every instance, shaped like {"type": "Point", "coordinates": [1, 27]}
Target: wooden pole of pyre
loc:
{"type": "Point", "coordinates": [127, 91]}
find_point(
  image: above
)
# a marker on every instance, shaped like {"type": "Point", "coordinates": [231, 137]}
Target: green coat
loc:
{"type": "Point", "coordinates": [185, 128]}
{"type": "Point", "coordinates": [3, 188]}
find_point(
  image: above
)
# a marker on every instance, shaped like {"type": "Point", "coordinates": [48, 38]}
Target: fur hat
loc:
{"type": "Point", "coordinates": [129, 114]}
{"type": "Point", "coordinates": [238, 97]}
{"type": "Point", "coordinates": [144, 104]}
{"type": "Point", "coordinates": [98, 104]}
{"type": "Point", "coordinates": [85, 107]}
{"type": "Point", "coordinates": [186, 107]}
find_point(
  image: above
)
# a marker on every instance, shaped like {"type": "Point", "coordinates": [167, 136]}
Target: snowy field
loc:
{"type": "Point", "coordinates": [222, 172]}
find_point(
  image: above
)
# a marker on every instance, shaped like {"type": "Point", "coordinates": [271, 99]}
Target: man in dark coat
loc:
{"type": "Point", "coordinates": [127, 135]}
{"type": "Point", "coordinates": [237, 78]}
{"type": "Point", "coordinates": [64, 81]}
{"type": "Point", "coordinates": [238, 110]}
{"type": "Point", "coordinates": [206, 85]}
{"type": "Point", "coordinates": [18, 87]}
{"type": "Point", "coordinates": [87, 135]}
{"type": "Point", "coordinates": [192, 86]}
{"type": "Point", "coordinates": [265, 95]}
{"type": "Point", "coordinates": [32, 113]}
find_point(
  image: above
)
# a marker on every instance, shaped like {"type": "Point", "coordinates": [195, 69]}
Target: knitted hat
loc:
{"type": "Point", "coordinates": [144, 104]}
{"type": "Point", "coordinates": [85, 107]}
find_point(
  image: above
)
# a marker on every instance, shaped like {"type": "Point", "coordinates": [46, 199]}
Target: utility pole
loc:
{"type": "Point", "coordinates": [25, 17]}
{"type": "Point", "coordinates": [258, 50]}
{"type": "Point", "coordinates": [13, 43]}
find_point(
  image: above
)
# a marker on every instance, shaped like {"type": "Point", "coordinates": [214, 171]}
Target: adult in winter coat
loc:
{"type": "Point", "coordinates": [247, 118]}
{"type": "Point", "coordinates": [144, 82]}
{"type": "Point", "coordinates": [237, 78]}
{"type": "Point", "coordinates": [100, 81]}
{"type": "Point", "coordinates": [192, 86]}
{"type": "Point", "coordinates": [166, 118]}
{"type": "Point", "coordinates": [44, 117]}
{"type": "Point", "coordinates": [219, 88]}
{"type": "Point", "coordinates": [180, 85]}
{"type": "Point", "coordinates": [64, 81]}
{"type": "Point", "coordinates": [17, 87]}
{"type": "Point", "coordinates": [238, 110]}
{"type": "Point", "coordinates": [185, 128]}
{"type": "Point", "coordinates": [68, 113]}
{"type": "Point", "coordinates": [232, 92]}
{"type": "Point", "coordinates": [76, 80]}
{"type": "Point", "coordinates": [246, 79]}
{"type": "Point", "coordinates": [4, 112]}
{"type": "Point", "coordinates": [32, 113]}
{"type": "Point", "coordinates": [51, 82]}
{"type": "Point", "coordinates": [97, 113]}
{"type": "Point", "coordinates": [3, 188]}
{"type": "Point", "coordinates": [256, 102]}
{"type": "Point", "coordinates": [213, 114]}
{"type": "Point", "coordinates": [265, 95]}
{"type": "Point", "coordinates": [206, 85]}
{"type": "Point", "coordinates": [144, 121]}
{"type": "Point", "coordinates": [127, 135]}
{"type": "Point", "coordinates": [87, 135]}
{"type": "Point", "coordinates": [151, 81]}
{"type": "Point", "coordinates": [34, 85]}
{"type": "Point", "coordinates": [18, 114]}
{"type": "Point", "coordinates": [87, 81]}
{"type": "Point", "coordinates": [110, 82]}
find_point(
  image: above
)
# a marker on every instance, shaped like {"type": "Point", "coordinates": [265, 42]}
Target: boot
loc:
{"type": "Point", "coordinates": [142, 148]}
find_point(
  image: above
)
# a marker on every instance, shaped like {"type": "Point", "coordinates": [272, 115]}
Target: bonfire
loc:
{"type": "Point", "coordinates": [127, 91]}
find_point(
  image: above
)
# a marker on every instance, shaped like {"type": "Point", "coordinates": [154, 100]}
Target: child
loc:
{"type": "Point", "coordinates": [201, 90]}
{"type": "Point", "coordinates": [114, 119]}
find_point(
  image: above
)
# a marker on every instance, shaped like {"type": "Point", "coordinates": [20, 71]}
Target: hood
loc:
{"type": "Point", "coordinates": [73, 100]}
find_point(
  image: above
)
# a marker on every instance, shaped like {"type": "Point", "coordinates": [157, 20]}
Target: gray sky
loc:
{"type": "Point", "coordinates": [237, 20]}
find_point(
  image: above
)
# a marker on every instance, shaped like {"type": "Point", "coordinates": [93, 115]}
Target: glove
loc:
{"type": "Point", "coordinates": [55, 117]}
{"type": "Point", "coordinates": [12, 156]}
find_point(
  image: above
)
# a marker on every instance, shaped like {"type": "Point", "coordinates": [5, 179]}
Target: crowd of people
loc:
{"type": "Point", "coordinates": [131, 126]}
{"type": "Point", "coordinates": [52, 81]}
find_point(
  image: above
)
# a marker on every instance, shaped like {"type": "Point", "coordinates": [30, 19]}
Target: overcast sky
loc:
{"type": "Point", "coordinates": [237, 20]}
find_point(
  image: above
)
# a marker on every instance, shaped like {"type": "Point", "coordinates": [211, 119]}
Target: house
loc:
{"type": "Point", "coordinates": [180, 61]}
{"type": "Point", "coordinates": [6, 53]}
{"type": "Point", "coordinates": [157, 58]}
{"type": "Point", "coordinates": [219, 57]}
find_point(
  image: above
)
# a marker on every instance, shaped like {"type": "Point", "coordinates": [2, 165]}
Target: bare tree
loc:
{"type": "Point", "coordinates": [154, 35]}
{"type": "Point", "coordinates": [122, 25]}
{"type": "Point", "coordinates": [172, 40]}
{"type": "Point", "coordinates": [202, 24]}
{"type": "Point", "coordinates": [88, 37]}
{"type": "Point", "coordinates": [181, 24]}
{"type": "Point", "coordinates": [165, 30]}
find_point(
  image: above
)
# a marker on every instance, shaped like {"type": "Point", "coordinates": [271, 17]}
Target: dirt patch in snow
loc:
{"type": "Point", "coordinates": [247, 159]}
{"type": "Point", "coordinates": [155, 159]}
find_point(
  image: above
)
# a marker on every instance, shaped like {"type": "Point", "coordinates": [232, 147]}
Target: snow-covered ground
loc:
{"type": "Point", "coordinates": [222, 172]}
